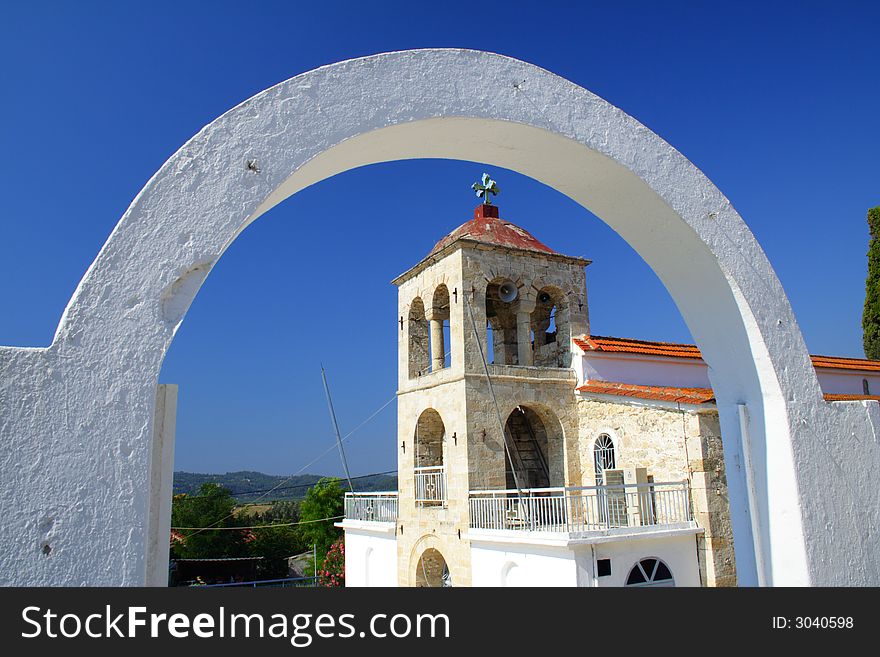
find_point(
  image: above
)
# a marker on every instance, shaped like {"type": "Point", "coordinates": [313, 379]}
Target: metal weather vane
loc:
{"type": "Point", "coordinates": [485, 188]}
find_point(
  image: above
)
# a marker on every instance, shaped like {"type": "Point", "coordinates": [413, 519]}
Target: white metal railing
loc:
{"type": "Point", "coordinates": [581, 509]}
{"type": "Point", "coordinates": [371, 507]}
{"type": "Point", "coordinates": [430, 484]}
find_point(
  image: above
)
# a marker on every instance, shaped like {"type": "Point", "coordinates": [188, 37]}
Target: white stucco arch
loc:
{"type": "Point", "coordinates": [76, 418]}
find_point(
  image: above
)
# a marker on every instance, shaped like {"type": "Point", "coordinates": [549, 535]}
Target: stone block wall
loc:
{"type": "Point", "coordinates": [674, 444]}
{"type": "Point", "coordinates": [419, 526]}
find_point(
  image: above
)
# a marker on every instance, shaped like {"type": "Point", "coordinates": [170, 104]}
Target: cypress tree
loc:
{"type": "Point", "coordinates": [871, 316]}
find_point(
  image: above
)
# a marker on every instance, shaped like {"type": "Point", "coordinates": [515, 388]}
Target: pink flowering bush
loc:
{"type": "Point", "coordinates": [332, 571]}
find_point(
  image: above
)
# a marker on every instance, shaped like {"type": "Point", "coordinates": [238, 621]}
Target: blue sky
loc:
{"type": "Point", "coordinates": [776, 102]}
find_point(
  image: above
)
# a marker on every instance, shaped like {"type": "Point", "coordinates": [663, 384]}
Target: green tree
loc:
{"type": "Point", "coordinates": [212, 507]}
{"type": "Point", "coordinates": [871, 316]}
{"type": "Point", "coordinates": [324, 500]}
{"type": "Point", "coordinates": [275, 545]}
{"type": "Point", "coordinates": [282, 511]}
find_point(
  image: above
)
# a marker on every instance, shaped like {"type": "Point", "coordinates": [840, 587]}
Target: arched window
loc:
{"type": "Point", "coordinates": [419, 348]}
{"type": "Point", "coordinates": [501, 310]}
{"type": "Point", "coordinates": [430, 475]}
{"type": "Point", "coordinates": [604, 457]}
{"type": "Point", "coordinates": [650, 572]}
{"type": "Point", "coordinates": [438, 316]}
{"type": "Point", "coordinates": [550, 331]}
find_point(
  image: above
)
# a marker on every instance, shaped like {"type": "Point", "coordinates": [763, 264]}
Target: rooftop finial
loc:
{"type": "Point", "coordinates": [485, 188]}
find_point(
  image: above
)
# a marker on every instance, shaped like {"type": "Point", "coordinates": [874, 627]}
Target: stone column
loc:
{"type": "Point", "coordinates": [523, 330]}
{"type": "Point", "coordinates": [438, 349]}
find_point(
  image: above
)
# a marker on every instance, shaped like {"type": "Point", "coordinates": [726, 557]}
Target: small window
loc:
{"type": "Point", "coordinates": [604, 457]}
{"type": "Point", "coordinates": [603, 567]}
{"type": "Point", "coordinates": [650, 572]}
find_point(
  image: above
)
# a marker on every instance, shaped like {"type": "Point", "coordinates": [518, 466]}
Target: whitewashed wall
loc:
{"type": "Point", "coordinates": [678, 552]}
{"type": "Point", "coordinates": [684, 373]}
{"type": "Point", "coordinates": [524, 565]}
{"type": "Point", "coordinates": [370, 558]}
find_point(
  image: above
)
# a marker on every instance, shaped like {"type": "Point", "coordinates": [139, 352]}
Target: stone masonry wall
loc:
{"type": "Point", "coordinates": [673, 444]}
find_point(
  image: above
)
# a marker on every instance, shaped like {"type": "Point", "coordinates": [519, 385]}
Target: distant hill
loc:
{"type": "Point", "coordinates": [243, 483]}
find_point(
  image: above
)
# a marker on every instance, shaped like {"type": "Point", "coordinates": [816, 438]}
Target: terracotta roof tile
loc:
{"type": "Point", "coordinates": [682, 395]}
{"type": "Point", "coordinates": [830, 396]}
{"type": "Point", "coordinates": [658, 393]}
{"type": "Point", "coordinates": [630, 346]}
{"type": "Point", "coordinates": [692, 352]}
{"type": "Point", "coordinates": [839, 363]}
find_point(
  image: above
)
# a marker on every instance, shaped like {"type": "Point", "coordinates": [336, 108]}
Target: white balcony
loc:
{"type": "Point", "coordinates": [580, 511]}
{"type": "Point", "coordinates": [371, 507]}
{"type": "Point", "coordinates": [430, 485]}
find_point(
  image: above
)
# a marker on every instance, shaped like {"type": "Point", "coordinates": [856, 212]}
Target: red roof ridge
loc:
{"type": "Point", "coordinates": [683, 395]}
{"type": "Point", "coordinates": [630, 345]}
{"type": "Point", "coordinates": [685, 350]}
{"type": "Point", "coordinates": [657, 393]}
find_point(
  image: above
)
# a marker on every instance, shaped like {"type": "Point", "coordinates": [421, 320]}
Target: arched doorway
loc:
{"type": "Point", "coordinates": [534, 448]}
{"type": "Point", "coordinates": [453, 104]}
{"type": "Point", "coordinates": [432, 570]}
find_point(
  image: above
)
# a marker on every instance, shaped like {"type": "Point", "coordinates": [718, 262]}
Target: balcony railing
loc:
{"type": "Point", "coordinates": [371, 507]}
{"type": "Point", "coordinates": [577, 510]}
{"type": "Point", "coordinates": [430, 485]}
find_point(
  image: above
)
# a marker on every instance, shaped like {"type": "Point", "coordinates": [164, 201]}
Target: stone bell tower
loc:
{"type": "Point", "coordinates": [485, 386]}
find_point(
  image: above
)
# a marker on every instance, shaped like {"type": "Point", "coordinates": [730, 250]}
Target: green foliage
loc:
{"type": "Point", "coordinates": [214, 504]}
{"type": "Point", "coordinates": [324, 500]}
{"type": "Point", "coordinates": [332, 572]}
{"type": "Point", "coordinates": [282, 511]}
{"type": "Point", "coordinates": [871, 316]}
{"type": "Point", "coordinates": [275, 545]}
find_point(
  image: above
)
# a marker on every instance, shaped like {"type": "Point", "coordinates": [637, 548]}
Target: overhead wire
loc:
{"type": "Point", "coordinates": [280, 524]}
{"type": "Point", "coordinates": [307, 465]}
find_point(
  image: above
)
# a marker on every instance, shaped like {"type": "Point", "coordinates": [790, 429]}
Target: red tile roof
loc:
{"type": "Point", "coordinates": [830, 396]}
{"type": "Point", "coordinates": [690, 351]}
{"type": "Point", "coordinates": [487, 228]}
{"type": "Point", "coordinates": [629, 346]}
{"type": "Point", "coordinates": [658, 393]}
{"type": "Point", "coordinates": [682, 395]}
{"type": "Point", "coordinates": [839, 363]}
